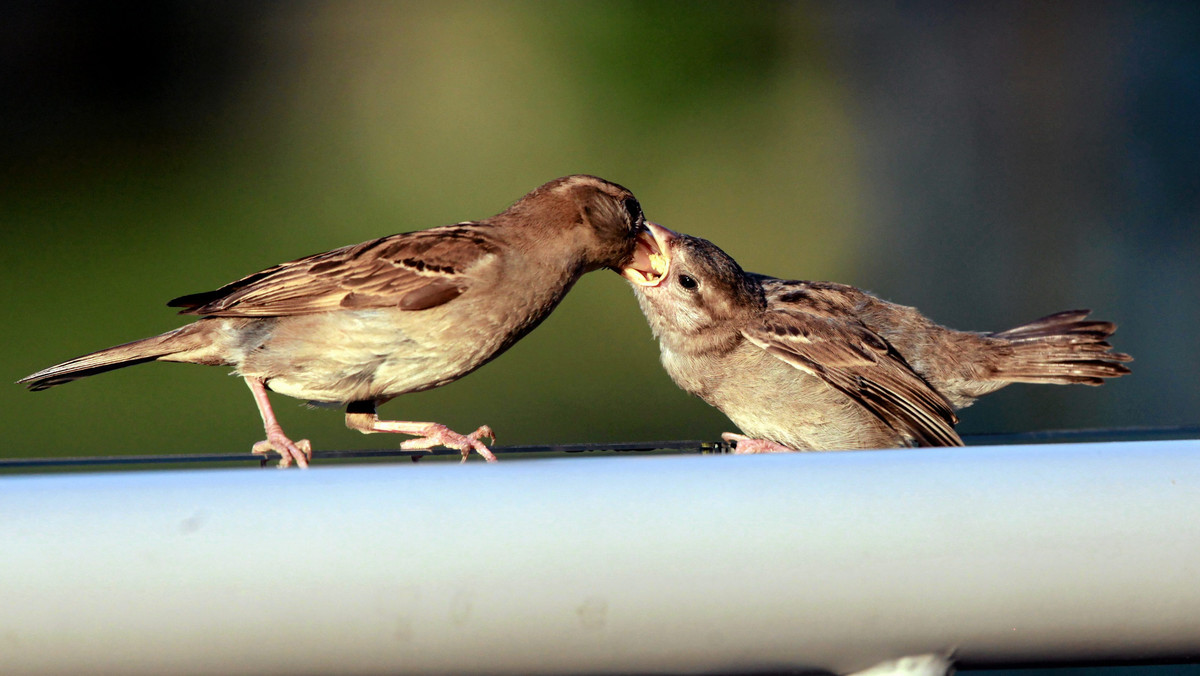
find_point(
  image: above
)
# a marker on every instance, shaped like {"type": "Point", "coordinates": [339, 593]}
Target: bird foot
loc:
{"type": "Point", "coordinates": [439, 435]}
{"type": "Point", "coordinates": [288, 450]}
{"type": "Point", "coordinates": [746, 445]}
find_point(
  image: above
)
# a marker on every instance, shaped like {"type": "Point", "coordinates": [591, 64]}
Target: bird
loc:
{"type": "Point", "coordinates": [811, 365]}
{"type": "Point", "coordinates": [362, 324]}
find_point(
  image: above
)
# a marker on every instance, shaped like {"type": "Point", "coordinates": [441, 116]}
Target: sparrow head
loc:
{"type": "Point", "coordinates": [686, 285]}
{"type": "Point", "coordinates": [599, 219]}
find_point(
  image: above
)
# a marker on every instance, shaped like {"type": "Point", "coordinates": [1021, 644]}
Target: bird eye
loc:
{"type": "Point", "coordinates": [635, 211]}
{"type": "Point", "coordinates": [688, 282]}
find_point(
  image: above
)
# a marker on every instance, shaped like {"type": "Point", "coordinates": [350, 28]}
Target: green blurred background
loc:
{"type": "Point", "coordinates": [986, 162]}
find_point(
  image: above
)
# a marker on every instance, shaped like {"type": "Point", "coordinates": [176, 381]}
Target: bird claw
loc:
{"type": "Point", "coordinates": [440, 435]}
{"type": "Point", "coordinates": [484, 431]}
{"type": "Point", "coordinates": [288, 450]}
{"type": "Point", "coordinates": [746, 445]}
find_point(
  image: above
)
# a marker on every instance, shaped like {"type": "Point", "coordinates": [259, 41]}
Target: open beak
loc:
{"type": "Point", "coordinates": [651, 256]}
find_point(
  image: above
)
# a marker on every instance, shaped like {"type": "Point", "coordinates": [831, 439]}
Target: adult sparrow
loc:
{"type": "Point", "coordinates": [362, 324]}
{"type": "Point", "coordinates": [801, 365]}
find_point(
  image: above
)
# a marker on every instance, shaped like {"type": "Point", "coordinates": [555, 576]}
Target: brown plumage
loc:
{"type": "Point", "coordinates": [362, 324]}
{"type": "Point", "coordinates": [801, 365]}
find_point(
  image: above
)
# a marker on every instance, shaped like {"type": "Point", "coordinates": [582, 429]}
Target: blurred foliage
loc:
{"type": "Point", "coordinates": [988, 164]}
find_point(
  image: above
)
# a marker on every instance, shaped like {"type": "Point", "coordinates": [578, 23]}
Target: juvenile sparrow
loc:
{"type": "Point", "coordinates": [362, 324]}
{"type": "Point", "coordinates": [803, 365]}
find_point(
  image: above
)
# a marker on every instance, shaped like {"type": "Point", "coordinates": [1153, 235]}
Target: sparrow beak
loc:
{"type": "Point", "coordinates": [651, 257]}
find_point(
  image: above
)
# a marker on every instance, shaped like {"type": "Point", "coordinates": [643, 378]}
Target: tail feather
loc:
{"type": "Point", "coordinates": [1062, 348]}
{"type": "Point", "coordinates": [141, 351]}
{"type": "Point", "coordinates": [1060, 325]}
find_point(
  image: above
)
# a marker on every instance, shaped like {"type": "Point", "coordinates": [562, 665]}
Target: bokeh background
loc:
{"type": "Point", "coordinates": [986, 162]}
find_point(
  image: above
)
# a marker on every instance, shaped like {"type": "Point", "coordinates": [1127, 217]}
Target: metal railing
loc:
{"type": "Point", "coordinates": [1058, 554]}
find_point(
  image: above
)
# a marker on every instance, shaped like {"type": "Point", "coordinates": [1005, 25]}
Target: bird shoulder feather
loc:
{"type": "Point", "coordinates": [411, 271]}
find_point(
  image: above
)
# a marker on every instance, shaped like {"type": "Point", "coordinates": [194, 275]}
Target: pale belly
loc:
{"type": "Point", "coordinates": [369, 354]}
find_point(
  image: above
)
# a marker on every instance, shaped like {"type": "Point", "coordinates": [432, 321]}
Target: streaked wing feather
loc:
{"type": "Point", "coordinates": [863, 366]}
{"type": "Point", "coordinates": [413, 271]}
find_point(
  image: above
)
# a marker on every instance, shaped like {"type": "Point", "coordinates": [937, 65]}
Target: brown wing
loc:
{"type": "Point", "coordinates": [864, 367]}
{"type": "Point", "coordinates": [412, 271]}
{"type": "Point", "coordinates": [823, 299]}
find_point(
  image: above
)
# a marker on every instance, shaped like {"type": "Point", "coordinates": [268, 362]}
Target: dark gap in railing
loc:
{"type": "Point", "coordinates": [702, 447]}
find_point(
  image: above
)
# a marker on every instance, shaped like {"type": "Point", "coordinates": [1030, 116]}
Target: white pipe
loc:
{"type": "Point", "coordinates": [833, 561]}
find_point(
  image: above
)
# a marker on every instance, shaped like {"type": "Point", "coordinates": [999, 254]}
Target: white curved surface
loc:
{"type": "Point", "coordinates": [833, 561]}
